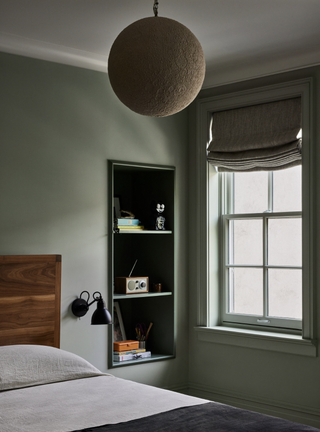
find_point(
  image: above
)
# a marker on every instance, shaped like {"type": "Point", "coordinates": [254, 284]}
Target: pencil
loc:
{"type": "Point", "coordinates": [149, 328]}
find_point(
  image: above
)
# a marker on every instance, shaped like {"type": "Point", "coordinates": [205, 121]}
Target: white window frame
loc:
{"type": "Point", "coordinates": [227, 214]}
{"type": "Point", "coordinates": [208, 245]}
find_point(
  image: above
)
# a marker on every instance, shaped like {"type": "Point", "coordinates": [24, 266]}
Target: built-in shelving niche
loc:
{"type": "Point", "coordinates": [137, 186]}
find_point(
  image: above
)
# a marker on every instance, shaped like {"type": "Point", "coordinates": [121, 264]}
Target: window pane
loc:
{"type": "Point", "coordinates": [285, 242]}
{"type": "Point", "coordinates": [287, 189]}
{"type": "Point", "coordinates": [285, 293]}
{"type": "Point", "coordinates": [246, 291]}
{"type": "Point", "coordinates": [250, 192]}
{"type": "Point", "coordinates": [246, 239]}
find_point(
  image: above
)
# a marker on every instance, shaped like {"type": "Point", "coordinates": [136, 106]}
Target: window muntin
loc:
{"type": "Point", "coordinates": [262, 249]}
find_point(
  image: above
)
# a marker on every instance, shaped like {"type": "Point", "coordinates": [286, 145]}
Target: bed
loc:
{"type": "Point", "coordinates": [46, 389]}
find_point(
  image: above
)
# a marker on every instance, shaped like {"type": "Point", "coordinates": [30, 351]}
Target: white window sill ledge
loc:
{"type": "Point", "coordinates": [280, 342]}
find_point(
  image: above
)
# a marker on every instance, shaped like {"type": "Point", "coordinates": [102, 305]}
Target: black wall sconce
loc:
{"type": "Point", "coordinates": [81, 306]}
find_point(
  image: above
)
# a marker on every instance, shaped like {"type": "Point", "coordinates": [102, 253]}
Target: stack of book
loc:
{"type": "Point", "coordinates": [129, 225]}
{"type": "Point", "coordinates": [136, 354]}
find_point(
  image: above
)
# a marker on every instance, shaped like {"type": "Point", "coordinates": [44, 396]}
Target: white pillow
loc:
{"type": "Point", "coordinates": [28, 365]}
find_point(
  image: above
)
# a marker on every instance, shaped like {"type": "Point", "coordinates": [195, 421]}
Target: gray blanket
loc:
{"type": "Point", "coordinates": [211, 417]}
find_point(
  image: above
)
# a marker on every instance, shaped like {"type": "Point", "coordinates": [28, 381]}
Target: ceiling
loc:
{"type": "Point", "coordinates": [241, 39]}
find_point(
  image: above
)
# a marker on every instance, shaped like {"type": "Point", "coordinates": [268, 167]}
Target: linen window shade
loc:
{"type": "Point", "coordinates": [255, 138]}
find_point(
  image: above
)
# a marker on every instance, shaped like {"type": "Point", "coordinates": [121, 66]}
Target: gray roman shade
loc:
{"type": "Point", "coordinates": [255, 138]}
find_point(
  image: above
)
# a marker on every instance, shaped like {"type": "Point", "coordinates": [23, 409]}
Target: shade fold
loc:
{"type": "Point", "coordinates": [259, 137]}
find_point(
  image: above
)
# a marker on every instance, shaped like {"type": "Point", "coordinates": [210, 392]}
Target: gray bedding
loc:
{"type": "Point", "coordinates": [76, 395]}
{"type": "Point", "coordinates": [209, 417]}
{"type": "Point", "coordinates": [46, 389]}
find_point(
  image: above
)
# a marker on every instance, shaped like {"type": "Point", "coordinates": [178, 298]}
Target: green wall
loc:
{"type": "Point", "coordinates": [58, 127]}
{"type": "Point", "coordinates": [272, 382]}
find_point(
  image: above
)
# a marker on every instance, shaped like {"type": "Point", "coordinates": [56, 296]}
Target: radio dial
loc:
{"type": "Point", "coordinates": [143, 284]}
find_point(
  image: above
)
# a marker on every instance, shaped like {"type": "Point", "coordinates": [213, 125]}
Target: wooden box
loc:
{"type": "Point", "coordinates": [126, 345]}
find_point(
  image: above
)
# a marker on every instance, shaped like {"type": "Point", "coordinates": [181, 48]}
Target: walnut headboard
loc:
{"type": "Point", "coordinates": [30, 288]}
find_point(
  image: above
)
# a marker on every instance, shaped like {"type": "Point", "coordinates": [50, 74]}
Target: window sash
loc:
{"type": "Point", "coordinates": [264, 319]}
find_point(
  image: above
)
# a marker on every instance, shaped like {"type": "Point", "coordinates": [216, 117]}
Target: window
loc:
{"type": "Point", "coordinates": [218, 255]}
{"type": "Point", "coordinates": [261, 233]}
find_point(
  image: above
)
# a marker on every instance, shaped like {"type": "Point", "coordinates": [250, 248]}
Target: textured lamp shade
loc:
{"type": "Point", "coordinates": [156, 66]}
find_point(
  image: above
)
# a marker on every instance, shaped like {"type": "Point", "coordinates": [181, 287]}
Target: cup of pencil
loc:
{"type": "Point", "coordinates": [142, 334]}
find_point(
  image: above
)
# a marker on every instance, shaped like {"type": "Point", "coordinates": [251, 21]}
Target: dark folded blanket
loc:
{"type": "Point", "coordinates": [204, 418]}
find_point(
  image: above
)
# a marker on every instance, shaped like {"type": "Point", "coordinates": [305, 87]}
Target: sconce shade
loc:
{"type": "Point", "coordinates": [156, 66]}
{"type": "Point", "coordinates": [101, 315]}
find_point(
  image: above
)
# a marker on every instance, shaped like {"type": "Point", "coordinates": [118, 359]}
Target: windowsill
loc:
{"type": "Point", "coordinates": [279, 342]}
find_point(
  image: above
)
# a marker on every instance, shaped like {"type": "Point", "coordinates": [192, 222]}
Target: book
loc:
{"type": "Point", "coordinates": [127, 221]}
{"type": "Point", "coordinates": [138, 350]}
{"type": "Point", "coordinates": [136, 356]}
{"type": "Point", "coordinates": [132, 227]}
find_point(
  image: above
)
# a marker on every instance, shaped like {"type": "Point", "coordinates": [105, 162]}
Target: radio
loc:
{"type": "Point", "coordinates": [131, 285]}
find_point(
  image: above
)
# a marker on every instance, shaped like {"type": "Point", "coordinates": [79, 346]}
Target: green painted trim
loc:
{"type": "Point", "coordinates": [263, 340]}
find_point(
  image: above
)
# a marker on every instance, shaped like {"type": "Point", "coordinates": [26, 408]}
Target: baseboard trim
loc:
{"type": "Point", "coordinates": [297, 413]}
{"type": "Point", "coordinates": [179, 388]}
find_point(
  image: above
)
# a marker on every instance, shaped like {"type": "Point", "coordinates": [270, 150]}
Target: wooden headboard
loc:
{"type": "Point", "coordinates": [30, 288]}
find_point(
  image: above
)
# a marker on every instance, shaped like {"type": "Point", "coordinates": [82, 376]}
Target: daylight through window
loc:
{"type": "Point", "coordinates": [262, 248]}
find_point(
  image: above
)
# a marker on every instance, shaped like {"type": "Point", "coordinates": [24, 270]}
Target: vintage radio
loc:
{"type": "Point", "coordinates": [131, 285]}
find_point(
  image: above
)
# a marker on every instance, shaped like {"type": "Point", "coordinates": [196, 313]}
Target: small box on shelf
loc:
{"type": "Point", "coordinates": [126, 345]}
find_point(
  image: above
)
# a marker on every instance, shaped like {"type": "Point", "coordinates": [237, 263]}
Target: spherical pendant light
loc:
{"type": "Point", "coordinates": [156, 66]}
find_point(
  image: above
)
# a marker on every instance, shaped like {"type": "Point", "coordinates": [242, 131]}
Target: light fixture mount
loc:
{"type": "Point", "coordinates": [81, 306]}
{"type": "Point", "coordinates": [155, 7]}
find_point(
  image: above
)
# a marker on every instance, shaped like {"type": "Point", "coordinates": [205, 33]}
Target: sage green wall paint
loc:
{"type": "Point", "coordinates": [272, 382]}
{"type": "Point", "coordinates": [59, 126]}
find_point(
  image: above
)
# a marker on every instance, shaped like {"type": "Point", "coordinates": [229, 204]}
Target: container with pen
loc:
{"type": "Point", "coordinates": [142, 334]}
